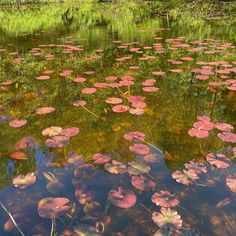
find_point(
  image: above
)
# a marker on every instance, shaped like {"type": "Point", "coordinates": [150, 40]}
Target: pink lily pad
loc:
{"type": "Point", "coordinates": [79, 103]}
{"type": "Point", "coordinates": [227, 137]}
{"type": "Point", "coordinates": [185, 177]}
{"type": "Point", "coordinates": [167, 218]}
{"type": "Point", "coordinates": [139, 149]}
{"type": "Point", "coordinates": [143, 182]}
{"type": "Point", "coordinates": [79, 80]}
{"type": "Point", "coordinates": [165, 199]}
{"type": "Point", "coordinates": [70, 132]}
{"type": "Point", "coordinates": [204, 125]}
{"type": "Point", "coordinates": [88, 90]}
{"type": "Point", "coordinates": [85, 171]}
{"type": "Point", "coordinates": [101, 158]}
{"type": "Point", "coordinates": [134, 136]}
{"type": "Point", "coordinates": [224, 127]}
{"type": "Point", "coordinates": [113, 100]}
{"type": "Point", "coordinates": [23, 181]}
{"type": "Point", "coordinates": [74, 159]}
{"type": "Point", "coordinates": [53, 207]}
{"type": "Point", "coordinates": [17, 123]}
{"type": "Point", "coordinates": [120, 108]}
{"type": "Point", "coordinates": [218, 160]}
{"type": "Point", "coordinates": [122, 198]}
{"type": "Point", "coordinates": [26, 143]}
{"type": "Point", "coordinates": [52, 131]}
{"type": "Point", "coordinates": [197, 167]}
{"type": "Point", "coordinates": [44, 110]}
{"type": "Point", "coordinates": [136, 99]}
{"type": "Point", "coordinates": [116, 167]}
{"type": "Point", "coordinates": [57, 141]}
{"type": "Point", "coordinates": [231, 182]}
{"type": "Point", "coordinates": [18, 156]}
{"type": "Point", "coordinates": [136, 111]}
{"type": "Point", "coordinates": [43, 77]}
{"type": "Point", "coordinates": [199, 133]}
{"type": "Point", "coordinates": [150, 89]}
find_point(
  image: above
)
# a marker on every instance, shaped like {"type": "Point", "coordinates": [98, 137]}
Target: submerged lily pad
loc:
{"type": "Point", "coordinates": [231, 182]}
{"type": "Point", "coordinates": [143, 182]}
{"type": "Point", "coordinates": [165, 199]}
{"type": "Point", "coordinates": [23, 181]}
{"type": "Point", "coordinates": [85, 171]}
{"type": "Point", "coordinates": [123, 198]}
{"type": "Point", "coordinates": [137, 168]}
{"type": "Point", "coordinates": [26, 143]}
{"type": "Point", "coordinates": [83, 193]}
{"type": "Point", "coordinates": [167, 218]}
{"type": "Point", "coordinates": [101, 158]}
{"type": "Point", "coordinates": [57, 141]}
{"type": "Point", "coordinates": [116, 167]}
{"type": "Point", "coordinates": [53, 207]}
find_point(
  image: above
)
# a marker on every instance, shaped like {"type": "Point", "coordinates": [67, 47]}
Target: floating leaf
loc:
{"type": "Point", "coordinates": [123, 198]}
{"type": "Point", "coordinates": [53, 207]}
{"type": "Point", "coordinates": [57, 141]}
{"type": "Point", "coordinates": [139, 148]}
{"type": "Point", "coordinates": [116, 167]}
{"type": "Point", "coordinates": [23, 181]}
{"type": "Point", "coordinates": [26, 143]}
{"type": "Point", "coordinates": [227, 137]}
{"type": "Point", "coordinates": [165, 199]}
{"type": "Point", "coordinates": [137, 168]}
{"type": "Point", "coordinates": [185, 177]}
{"type": "Point", "coordinates": [85, 171]}
{"type": "Point", "coordinates": [197, 167]}
{"type": "Point", "coordinates": [44, 110]}
{"type": "Point", "coordinates": [70, 132]}
{"type": "Point", "coordinates": [17, 123]}
{"type": "Point", "coordinates": [52, 131]}
{"type": "Point", "coordinates": [231, 182]}
{"type": "Point", "coordinates": [18, 156]}
{"type": "Point", "coordinates": [143, 182]}
{"type": "Point", "coordinates": [101, 158]}
{"type": "Point", "coordinates": [134, 136]}
{"type": "Point", "coordinates": [218, 160]}
{"type": "Point", "coordinates": [83, 193]}
{"type": "Point", "coordinates": [167, 218]}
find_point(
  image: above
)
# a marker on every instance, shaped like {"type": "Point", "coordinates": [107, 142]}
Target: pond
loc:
{"type": "Point", "coordinates": [116, 121]}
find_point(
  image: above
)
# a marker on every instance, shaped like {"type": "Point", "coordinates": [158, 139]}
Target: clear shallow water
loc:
{"type": "Point", "coordinates": [169, 114]}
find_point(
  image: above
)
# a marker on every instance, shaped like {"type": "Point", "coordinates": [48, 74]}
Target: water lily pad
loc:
{"type": "Point", "coordinates": [83, 193]}
{"type": "Point", "coordinates": [88, 90]}
{"type": "Point", "coordinates": [143, 182]}
{"type": "Point", "coordinates": [120, 108]}
{"type": "Point", "coordinates": [53, 207]}
{"type": "Point", "coordinates": [17, 123]}
{"type": "Point", "coordinates": [52, 131]}
{"type": "Point", "coordinates": [185, 177]}
{"type": "Point", "coordinates": [139, 148]}
{"type": "Point", "coordinates": [85, 171]}
{"type": "Point", "coordinates": [57, 141]}
{"type": "Point", "coordinates": [23, 181]}
{"type": "Point", "coordinates": [70, 132]}
{"type": "Point", "coordinates": [134, 136]}
{"type": "Point", "coordinates": [74, 159]}
{"type": "Point", "coordinates": [116, 167]}
{"type": "Point", "coordinates": [44, 110]}
{"type": "Point", "coordinates": [167, 218]}
{"type": "Point", "coordinates": [18, 156]}
{"type": "Point", "coordinates": [26, 143]}
{"type": "Point", "coordinates": [123, 198]}
{"type": "Point", "coordinates": [218, 160]}
{"type": "Point", "coordinates": [199, 133]}
{"type": "Point", "coordinates": [137, 168]}
{"type": "Point", "coordinates": [165, 199]}
{"type": "Point", "coordinates": [223, 127]}
{"type": "Point", "coordinates": [79, 103]}
{"type": "Point", "coordinates": [231, 182]}
{"type": "Point", "coordinates": [101, 158]}
{"type": "Point", "coordinates": [113, 100]}
{"type": "Point", "coordinates": [227, 137]}
{"type": "Point", "coordinates": [197, 167]}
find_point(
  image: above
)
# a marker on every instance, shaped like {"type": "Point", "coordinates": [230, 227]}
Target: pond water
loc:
{"type": "Point", "coordinates": [106, 71]}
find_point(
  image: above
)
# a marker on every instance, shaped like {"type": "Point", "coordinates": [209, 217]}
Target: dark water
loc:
{"type": "Point", "coordinates": [169, 114]}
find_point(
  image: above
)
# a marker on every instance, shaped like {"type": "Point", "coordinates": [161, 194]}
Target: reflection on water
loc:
{"type": "Point", "coordinates": [43, 50]}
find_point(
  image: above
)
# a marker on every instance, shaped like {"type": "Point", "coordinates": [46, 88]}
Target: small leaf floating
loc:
{"type": "Point", "coordinates": [57, 141]}
{"type": "Point", "coordinates": [23, 181]}
{"type": "Point", "coordinates": [44, 110]}
{"type": "Point", "coordinates": [167, 218]}
{"type": "Point", "coordinates": [120, 108]}
{"type": "Point", "coordinates": [52, 131]}
{"type": "Point", "coordinates": [101, 158]}
{"type": "Point", "coordinates": [134, 136]}
{"type": "Point", "coordinates": [116, 167]}
{"type": "Point", "coordinates": [165, 199]}
{"type": "Point", "coordinates": [197, 167]}
{"type": "Point", "coordinates": [70, 132]}
{"type": "Point", "coordinates": [218, 160]}
{"type": "Point", "coordinates": [18, 156]}
{"type": "Point", "coordinates": [231, 182]}
{"type": "Point", "coordinates": [53, 207]}
{"type": "Point", "coordinates": [122, 198]}
{"type": "Point", "coordinates": [185, 177]}
{"type": "Point", "coordinates": [139, 149]}
{"type": "Point", "coordinates": [26, 143]}
{"type": "Point", "coordinates": [79, 103]}
{"type": "Point", "coordinates": [17, 123]}
{"type": "Point", "coordinates": [137, 168]}
{"type": "Point", "coordinates": [85, 171]}
{"type": "Point", "coordinates": [88, 90]}
{"type": "Point", "coordinates": [227, 137]}
{"type": "Point", "coordinates": [143, 182]}
{"type": "Point", "coordinates": [113, 100]}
